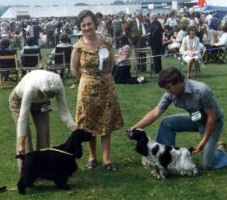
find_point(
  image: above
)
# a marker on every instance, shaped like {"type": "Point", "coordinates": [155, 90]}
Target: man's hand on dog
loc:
{"type": "Point", "coordinates": [199, 147]}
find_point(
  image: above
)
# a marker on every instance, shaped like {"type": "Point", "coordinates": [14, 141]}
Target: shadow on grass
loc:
{"type": "Point", "coordinates": [96, 178]}
{"type": "Point", "coordinates": [205, 76]}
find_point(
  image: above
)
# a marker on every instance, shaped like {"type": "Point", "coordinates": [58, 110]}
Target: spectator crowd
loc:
{"type": "Point", "coordinates": [164, 33]}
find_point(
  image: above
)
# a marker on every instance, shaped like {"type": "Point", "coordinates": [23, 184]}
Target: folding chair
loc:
{"type": "Point", "coordinates": [8, 65]}
{"type": "Point", "coordinates": [61, 61]}
{"type": "Point", "coordinates": [221, 55]}
{"type": "Point", "coordinates": [144, 61]}
{"type": "Point", "coordinates": [30, 60]}
{"type": "Point", "coordinates": [183, 65]}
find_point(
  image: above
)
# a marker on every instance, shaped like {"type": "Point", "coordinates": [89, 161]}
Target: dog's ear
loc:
{"type": "Point", "coordinates": [82, 135]}
{"type": "Point", "coordinates": [141, 146]}
{"type": "Point", "coordinates": [86, 136]}
{"type": "Point", "coordinates": [190, 149]}
{"type": "Point", "coordinates": [78, 150]}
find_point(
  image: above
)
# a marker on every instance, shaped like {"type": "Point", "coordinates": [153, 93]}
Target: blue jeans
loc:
{"type": "Point", "coordinates": [210, 157]}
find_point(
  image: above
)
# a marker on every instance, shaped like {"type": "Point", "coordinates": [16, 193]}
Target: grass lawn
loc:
{"type": "Point", "coordinates": [132, 181]}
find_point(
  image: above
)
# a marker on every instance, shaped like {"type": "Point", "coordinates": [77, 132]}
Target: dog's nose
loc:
{"type": "Point", "coordinates": [129, 132]}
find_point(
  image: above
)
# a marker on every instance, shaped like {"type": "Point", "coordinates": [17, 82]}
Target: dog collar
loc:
{"type": "Point", "coordinates": [58, 150]}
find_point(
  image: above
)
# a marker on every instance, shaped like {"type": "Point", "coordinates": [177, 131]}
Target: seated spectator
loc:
{"type": "Point", "coordinates": [122, 67]}
{"type": "Point", "coordinates": [206, 40]}
{"type": "Point", "coordinates": [180, 33]}
{"type": "Point", "coordinates": [215, 23]}
{"type": "Point", "coordinates": [171, 21]}
{"type": "Point", "coordinates": [220, 46]}
{"type": "Point", "coordinates": [190, 51]}
{"type": "Point", "coordinates": [167, 35]}
{"type": "Point", "coordinates": [214, 34]}
{"type": "Point", "coordinates": [222, 41]}
{"type": "Point", "coordinates": [64, 42]}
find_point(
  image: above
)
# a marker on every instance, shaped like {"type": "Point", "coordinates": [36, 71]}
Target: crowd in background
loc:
{"type": "Point", "coordinates": [164, 33]}
{"type": "Point", "coordinates": [46, 31]}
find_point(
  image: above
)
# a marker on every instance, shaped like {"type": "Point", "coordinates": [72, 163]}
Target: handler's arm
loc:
{"type": "Point", "coordinates": [149, 118]}
{"type": "Point", "coordinates": [21, 145]}
{"type": "Point", "coordinates": [211, 118]}
{"type": "Point", "coordinates": [22, 123]}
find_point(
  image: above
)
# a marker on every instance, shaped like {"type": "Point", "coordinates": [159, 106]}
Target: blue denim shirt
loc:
{"type": "Point", "coordinates": [197, 96]}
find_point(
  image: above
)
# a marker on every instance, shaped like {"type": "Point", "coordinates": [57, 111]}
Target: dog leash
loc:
{"type": "Point", "coordinates": [58, 150]}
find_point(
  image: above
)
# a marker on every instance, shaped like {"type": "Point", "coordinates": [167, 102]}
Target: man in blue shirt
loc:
{"type": "Point", "coordinates": [204, 115]}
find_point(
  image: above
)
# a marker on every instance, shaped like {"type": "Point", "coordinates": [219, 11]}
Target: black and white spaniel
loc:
{"type": "Point", "coordinates": [162, 159]}
{"type": "Point", "coordinates": [55, 164]}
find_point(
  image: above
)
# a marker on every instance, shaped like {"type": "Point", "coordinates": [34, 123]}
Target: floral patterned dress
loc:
{"type": "Point", "coordinates": [98, 110]}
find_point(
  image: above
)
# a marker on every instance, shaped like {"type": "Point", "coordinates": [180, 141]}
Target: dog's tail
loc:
{"type": "Point", "coordinates": [21, 156]}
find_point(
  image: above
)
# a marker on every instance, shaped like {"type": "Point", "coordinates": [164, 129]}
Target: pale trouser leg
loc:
{"type": "Point", "coordinates": [41, 121]}
{"type": "Point", "coordinates": [210, 157]}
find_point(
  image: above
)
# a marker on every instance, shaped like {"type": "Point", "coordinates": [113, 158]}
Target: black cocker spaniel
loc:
{"type": "Point", "coordinates": [55, 164]}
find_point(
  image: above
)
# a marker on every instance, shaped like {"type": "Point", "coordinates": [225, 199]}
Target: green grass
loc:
{"type": "Point", "coordinates": [132, 181]}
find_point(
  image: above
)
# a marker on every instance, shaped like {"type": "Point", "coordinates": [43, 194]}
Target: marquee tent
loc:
{"type": "Point", "coordinates": [66, 11]}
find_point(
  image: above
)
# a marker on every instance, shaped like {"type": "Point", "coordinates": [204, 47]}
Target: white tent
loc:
{"type": "Point", "coordinates": [66, 11]}
{"type": "Point", "coordinates": [222, 3]}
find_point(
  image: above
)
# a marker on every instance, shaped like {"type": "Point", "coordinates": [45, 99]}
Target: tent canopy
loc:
{"type": "Point", "coordinates": [67, 11]}
{"type": "Point", "coordinates": [221, 11]}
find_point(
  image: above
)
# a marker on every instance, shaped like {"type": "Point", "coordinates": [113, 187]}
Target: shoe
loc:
{"type": "Point", "coordinates": [72, 86]}
{"type": "Point", "coordinates": [3, 188]}
{"type": "Point", "coordinates": [91, 164]}
{"type": "Point", "coordinates": [222, 145]}
{"type": "Point", "coordinates": [110, 167]}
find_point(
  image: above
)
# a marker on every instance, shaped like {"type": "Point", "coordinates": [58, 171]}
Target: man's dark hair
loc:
{"type": "Point", "coordinates": [99, 15]}
{"type": "Point", "coordinates": [86, 13]}
{"type": "Point", "coordinates": [170, 75]}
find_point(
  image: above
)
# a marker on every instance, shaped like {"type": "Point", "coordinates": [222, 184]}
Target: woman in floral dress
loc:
{"type": "Point", "coordinates": [98, 110]}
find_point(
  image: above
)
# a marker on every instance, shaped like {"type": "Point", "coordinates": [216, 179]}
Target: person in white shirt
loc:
{"type": "Point", "coordinates": [180, 33]}
{"type": "Point", "coordinates": [208, 18]}
{"type": "Point", "coordinates": [222, 41]}
{"type": "Point", "coordinates": [171, 21]}
{"type": "Point", "coordinates": [190, 50]}
{"type": "Point", "coordinates": [32, 94]}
